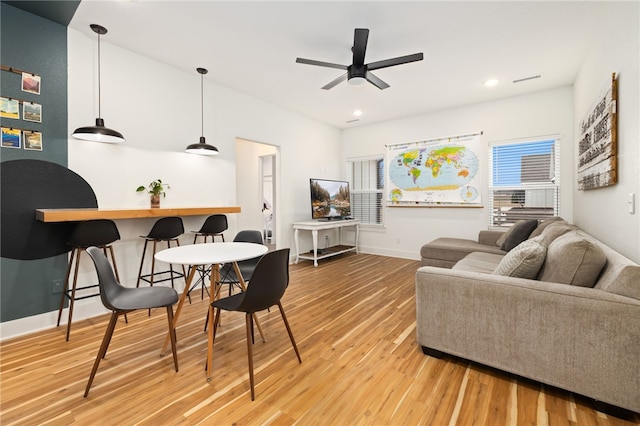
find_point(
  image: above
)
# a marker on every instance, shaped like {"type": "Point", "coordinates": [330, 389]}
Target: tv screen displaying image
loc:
{"type": "Point", "coordinates": [330, 199]}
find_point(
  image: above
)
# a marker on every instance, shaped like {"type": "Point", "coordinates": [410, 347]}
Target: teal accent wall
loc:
{"type": "Point", "coordinates": [34, 44]}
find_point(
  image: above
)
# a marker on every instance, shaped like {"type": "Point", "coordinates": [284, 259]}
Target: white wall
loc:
{"type": "Point", "coordinates": [604, 211]}
{"type": "Point", "coordinates": [408, 228]}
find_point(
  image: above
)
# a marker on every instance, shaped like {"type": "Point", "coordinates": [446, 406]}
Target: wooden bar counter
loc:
{"type": "Point", "coordinates": [72, 215]}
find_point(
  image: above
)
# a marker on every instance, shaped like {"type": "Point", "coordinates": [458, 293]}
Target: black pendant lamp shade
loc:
{"type": "Point", "coordinates": [98, 133]}
{"type": "Point", "coordinates": [202, 147]}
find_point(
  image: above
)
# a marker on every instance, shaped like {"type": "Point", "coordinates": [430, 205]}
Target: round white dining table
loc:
{"type": "Point", "coordinates": [210, 253]}
{"type": "Point", "coordinates": [213, 254]}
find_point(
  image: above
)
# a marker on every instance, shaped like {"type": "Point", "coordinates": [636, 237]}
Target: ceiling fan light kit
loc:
{"type": "Point", "coordinates": [356, 81]}
{"type": "Point", "coordinates": [98, 133]}
{"type": "Point", "coordinates": [202, 147]}
{"type": "Point", "coordinates": [359, 72]}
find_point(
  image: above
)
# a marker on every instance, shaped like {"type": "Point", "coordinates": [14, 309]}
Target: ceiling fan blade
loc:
{"type": "Point", "coordinates": [320, 63]}
{"type": "Point", "coordinates": [395, 61]}
{"type": "Point", "coordinates": [376, 81]}
{"type": "Point", "coordinates": [340, 79]}
{"type": "Point", "coordinates": [360, 37]}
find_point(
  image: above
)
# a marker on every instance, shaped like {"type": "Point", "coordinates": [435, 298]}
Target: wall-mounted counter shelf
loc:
{"type": "Point", "coordinates": [72, 215]}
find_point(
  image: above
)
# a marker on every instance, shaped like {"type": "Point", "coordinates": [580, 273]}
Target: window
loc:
{"type": "Point", "coordinates": [366, 179]}
{"type": "Point", "coordinates": [524, 181]}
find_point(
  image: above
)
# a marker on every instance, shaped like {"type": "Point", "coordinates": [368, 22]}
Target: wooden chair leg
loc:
{"type": "Point", "coordinates": [72, 299]}
{"type": "Point", "coordinates": [216, 321]}
{"type": "Point", "coordinates": [66, 285]}
{"type": "Point", "coordinates": [153, 264]}
{"type": "Point", "coordinates": [144, 250]}
{"type": "Point", "coordinates": [249, 324]}
{"type": "Point", "coordinates": [172, 334]}
{"type": "Point", "coordinates": [286, 324]}
{"type": "Point", "coordinates": [103, 349]}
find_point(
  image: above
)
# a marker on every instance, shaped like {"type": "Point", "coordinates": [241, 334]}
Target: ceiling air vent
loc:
{"type": "Point", "coordinates": [532, 77]}
{"type": "Point", "coordinates": [353, 121]}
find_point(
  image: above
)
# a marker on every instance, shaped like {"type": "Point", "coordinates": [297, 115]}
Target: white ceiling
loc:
{"type": "Point", "coordinates": [252, 47]}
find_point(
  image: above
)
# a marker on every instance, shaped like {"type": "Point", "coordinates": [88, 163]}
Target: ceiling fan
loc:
{"type": "Point", "coordinates": [359, 72]}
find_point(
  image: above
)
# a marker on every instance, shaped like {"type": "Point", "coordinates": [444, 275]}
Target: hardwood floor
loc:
{"type": "Point", "coordinates": [353, 318]}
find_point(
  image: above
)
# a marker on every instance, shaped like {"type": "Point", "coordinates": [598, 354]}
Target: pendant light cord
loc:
{"type": "Point", "coordinates": [202, 103]}
{"type": "Point", "coordinates": [99, 93]}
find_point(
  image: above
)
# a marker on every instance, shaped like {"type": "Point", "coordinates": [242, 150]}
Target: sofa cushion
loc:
{"type": "Point", "coordinates": [478, 262]}
{"type": "Point", "coordinates": [543, 224]}
{"type": "Point", "coordinates": [517, 233]}
{"type": "Point", "coordinates": [454, 249]}
{"type": "Point", "coordinates": [525, 260]}
{"type": "Point", "coordinates": [573, 259]}
{"type": "Point", "coordinates": [556, 229]}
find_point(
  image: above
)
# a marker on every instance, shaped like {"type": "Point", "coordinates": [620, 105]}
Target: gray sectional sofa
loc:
{"type": "Point", "coordinates": [560, 308]}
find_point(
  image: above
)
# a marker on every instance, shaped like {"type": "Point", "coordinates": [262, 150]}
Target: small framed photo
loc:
{"type": "Point", "coordinates": [32, 140]}
{"type": "Point", "coordinates": [11, 138]}
{"type": "Point", "coordinates": [31, 83]}
{"type": "Point", "coordinates": [31, 112]}
{"type": "Point", "coordinates": [9, 108]}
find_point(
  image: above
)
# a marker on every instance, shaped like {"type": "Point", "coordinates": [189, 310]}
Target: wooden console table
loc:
{"type": "Point", "coordinates": [314, 226]}
{"type": "Point", "coordinates": [72, 215]}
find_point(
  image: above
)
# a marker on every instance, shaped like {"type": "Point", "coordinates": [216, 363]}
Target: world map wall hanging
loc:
{"type": "Point", "coordinates": [437, 172]}
{"type": "Point", "coordinates": [598, 144]}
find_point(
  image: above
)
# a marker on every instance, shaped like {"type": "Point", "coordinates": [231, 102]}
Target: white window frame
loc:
{"type": "Point", "coordinates": [502, 211]}
{"type": "Point", "coordinates": [364, 183]}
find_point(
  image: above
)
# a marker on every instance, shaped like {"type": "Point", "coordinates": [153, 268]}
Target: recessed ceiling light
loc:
{"type": "Point", "coordinates": [357, 113]}
{"type": "Point", "coordinates": [491, 82]}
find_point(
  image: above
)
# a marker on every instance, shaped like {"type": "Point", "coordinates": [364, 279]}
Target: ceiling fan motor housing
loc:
{"type": "Point", "coordinates": [354, 71]}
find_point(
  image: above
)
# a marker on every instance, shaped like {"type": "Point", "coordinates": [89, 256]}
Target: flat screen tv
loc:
{"type": "Point", "coordinates": [330, 199]}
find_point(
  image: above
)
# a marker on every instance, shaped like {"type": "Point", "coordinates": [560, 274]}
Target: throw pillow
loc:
{"type": "Point", "coordinates": [556, 229]}
{"type": "Point", "coordinates": [543, 224]}
{"type": "Point", "coordinates": [525, 260]}
{"type": "Point", "coordinates": [573, 259]}
{"type": "Point", "coordinates": [519, 232]}
{"type": "Point", "coordinates": [506, 234]}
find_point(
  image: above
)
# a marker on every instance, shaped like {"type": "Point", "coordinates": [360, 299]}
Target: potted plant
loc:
{"type": "Point", "coordinates": [154, 189]}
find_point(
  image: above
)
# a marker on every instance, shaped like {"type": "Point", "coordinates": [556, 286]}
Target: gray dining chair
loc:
{"type": "Point", "coordinates": [120, 300]}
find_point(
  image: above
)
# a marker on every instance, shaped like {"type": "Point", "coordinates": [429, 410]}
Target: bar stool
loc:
{"type": "Point", "coordinates": [100, 233]}
{"type": "Point", "coordinates": [165, 229]}
{"type": "Point", "coordinates": [213, 226]}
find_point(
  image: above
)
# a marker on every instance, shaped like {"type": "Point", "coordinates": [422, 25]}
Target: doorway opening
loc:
{"type": "Point", "coordinates": [256, 190]}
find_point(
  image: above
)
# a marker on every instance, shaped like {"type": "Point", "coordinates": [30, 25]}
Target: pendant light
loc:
{"type": "Point", "coordinates": [202, 147]}
{"type": "Point", "coordinates": [98, 133]}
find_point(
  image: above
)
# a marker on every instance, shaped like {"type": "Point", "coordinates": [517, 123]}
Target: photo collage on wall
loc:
{"type": "Point", "coordinates": [17, 137]}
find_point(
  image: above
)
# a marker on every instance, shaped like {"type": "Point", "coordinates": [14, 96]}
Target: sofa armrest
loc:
{"type": "Point", "coordinates": [488, 237]}
{"type": "Point", "coordinates": [580, 339]}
